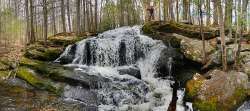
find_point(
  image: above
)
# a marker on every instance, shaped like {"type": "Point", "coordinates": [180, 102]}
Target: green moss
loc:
{"type": "Point", "coordinates": [40, 52]}
{"type": "Point", "coordinates": [239, 96]}
{"type": "Point", "coordinates": [210, 105]}
{"type": "Point", "coordinates": [64, 41]}
{"type": "Point", "coordinates": [27, 75]}
{"type": "Point", "coordinates": [3, 74]}
{"type": "Point", "coordinates": [192, 88]}
{"type": "Point", "coordinates": [47, 70]}
{"type": "Point", "coordinates": [231, 103]}
{"type": "Point", "coordinates": [39, 66]}
{"type": "Point", "coordinates": [4, 64]}
{"type": "Point", "coordinates": [147, 29]}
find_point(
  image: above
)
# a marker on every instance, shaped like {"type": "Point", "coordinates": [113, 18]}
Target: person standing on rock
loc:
{"type": "Point", "coordinates": [150, 9]}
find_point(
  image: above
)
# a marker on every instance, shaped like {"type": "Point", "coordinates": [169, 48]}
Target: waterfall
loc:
{"type": "Point", "coordinates": [123, 63]}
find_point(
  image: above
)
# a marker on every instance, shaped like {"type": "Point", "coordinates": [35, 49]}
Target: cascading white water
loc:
{"type": "Point", "coordinates": [105, 55]}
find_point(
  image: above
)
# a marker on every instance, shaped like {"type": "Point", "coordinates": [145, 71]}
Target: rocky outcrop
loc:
{"type": "Point", "coordinates": [221, 91]}
{"type": "Point", "coordinates": [29, 76]}
{"type": "Point", "coordinates": [35, 68]}
{"type": "Point", "coordinates": [191, 31]}
{"type": "Point", "coordinates": [40, 52]}
{"type": "Point", "coordinates": [192, 48]}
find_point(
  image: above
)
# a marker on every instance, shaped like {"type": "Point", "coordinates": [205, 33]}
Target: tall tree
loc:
{"type": "Point", "coordinates": [241, 24]}
{"type": "Point", "coordinates": [165, 9]}
{"type": "Point", "coordinates": [54, 17]}
{"type": "Point", "coordinates": [96, 15]}
{"type": "Point", "coordinates": [32, 31]}
{"type": "Point", "coordinates": [171, 11]}
{"type": "Point", "coordinates": [244, 14]}
{"type": "Point", "coordinates": [45, 21]}
{"type": "Point", "coordinates": [177, 10]}
{"type": "Point", "coordinates": [201, 31]}
{"type": "Point", "coordinates": [78, 17]}
{"type": "Point", "coordinates": [27, 20]}
{"type": "Point", "coordinates": [186, 8]}
{"type": "Point", "coordinates": [63, 16]}
{"type": "Point", "coordinates": [88, 16]}
{"type": "Point", "coordinates": [68, 14]}
{"type": "Point", "coordinates": [229, 16]}
{"type": "Point", "coordinates": [222, 35]}
{"type": "Point", "coordinates": [208, 8]}
{"type": "Point", "coordinates": [215, 13]}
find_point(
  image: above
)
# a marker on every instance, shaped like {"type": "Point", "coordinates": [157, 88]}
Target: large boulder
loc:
{"type": "Point", "coordinates": [221, 91]}
{"type": "Point", "coordinates": [36, 81]}
{"type": "Point", "coordinates": [191, 31]}
{"type": "Point", "coordinates": [40, 52]}
{"type": "Point", "coordinates": [192, 48]}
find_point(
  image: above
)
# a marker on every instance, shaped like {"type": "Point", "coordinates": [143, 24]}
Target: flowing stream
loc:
{"type": "Point", "coordinates": [125, 71]}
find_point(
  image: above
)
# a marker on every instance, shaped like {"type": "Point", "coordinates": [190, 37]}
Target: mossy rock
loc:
{"type": "Point", "coordinates": [3, 74]}
{"type": "Point", "coordinates": [191, 31]}
{"type": "Point", "coordinates": [210, 105]}
{"type": "Point", "coordinates": [147, 29]}
{"type": "Point", "coordinates": [29, 76]}
{"type": "Point", "coordinates": [193, 86]}
{"type": "Point", "coordinates": [65, 40]}
{"type": "Point", "coordinates": [40, 52]}
{"type": "Point", "coordinates": [223, 91]}
{"type": "Point", "coordinates": [50, 70]}
{"type": "Point", "coordinates": [213, 104]}
{"type": "Point", "coordinates": [34, 64]}
{"type": "Point", "coordinates": [5, 64]}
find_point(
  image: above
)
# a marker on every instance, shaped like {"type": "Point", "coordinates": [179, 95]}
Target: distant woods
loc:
{"type": "Point", "coordinates": [32, 20]}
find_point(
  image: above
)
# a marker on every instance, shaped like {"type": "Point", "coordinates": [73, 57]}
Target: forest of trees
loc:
{"type": "Point", "coordinates": [27, 21]}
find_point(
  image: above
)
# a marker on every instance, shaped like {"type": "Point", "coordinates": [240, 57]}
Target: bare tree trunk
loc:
{"type": "Point", "coordinates": [177, 10]}
{"type": "Point", "coordinates": [244, 14]}
{"type": "Point", "coordinates": [91, 15]}
{"type": "Point", "coordinates": [121, 13]}
{"type": "Point", "coordinates": [63, 15]}
{"type": "Point", "coordinates": [54, 18]}
{"type": "Point", "coordinates": [241, 20]}
{"type": "Point", "coordinates": [96, 15]}
{"type": "Point", "coordinates": [100, 19]}
{"type": "Point", "coordinates": [201, 33]}
{"type": "Point", "coordinates": [215, 13]}
{"type": "Point", "coordinates": [165, 9]}
{"type": "Point", "coordinates": [228, 16]}
{"type": "Point", "coordinates": [186, 8]}
{"type": "Point", "coordinates": [68, 13]}
{"type": "Point", "coordinates": [87, 12]}
{"type": "Point", "coordinates": [222, 35]}
{"type": "Point", "coordinates": [27, 21]}
{"type": "Point", "coordinates": [160, 11]}
{"type": "Point", "coordinates": [32, 32]}
{"type": "Point", "coordinates": [78, 17]}
{"type": "Point", "coordinates": [208, 8]}
{"type": "Point", "coordinates": [83, 18]}
{"type": "Point", "coordinates": [45, 22]}
{"type": "Point", "coordinates": [171, 10]}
